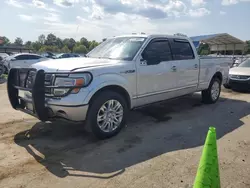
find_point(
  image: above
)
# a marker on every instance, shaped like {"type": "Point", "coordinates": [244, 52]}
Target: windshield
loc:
{"type": "Point", "coordinates": [245, 63]}
{"type": "Point", "coordinates": [122, 48]}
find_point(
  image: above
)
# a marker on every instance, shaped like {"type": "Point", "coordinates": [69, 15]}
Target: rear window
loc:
{"type": "Point", "coordinates": [182, 50]}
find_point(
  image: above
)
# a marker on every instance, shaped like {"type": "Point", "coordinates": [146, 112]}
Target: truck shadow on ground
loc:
{"type": "Point", "coordinates": [68, 150]}
{"type": "Point", "coordinates": [2, 80]}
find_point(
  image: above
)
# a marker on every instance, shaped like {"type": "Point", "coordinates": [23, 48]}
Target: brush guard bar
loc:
{"type": "Point", "coordinates": [17, 80]}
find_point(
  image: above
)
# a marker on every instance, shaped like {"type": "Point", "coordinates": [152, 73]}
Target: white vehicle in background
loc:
{"type": "Point", "coordinates": [22, 60]}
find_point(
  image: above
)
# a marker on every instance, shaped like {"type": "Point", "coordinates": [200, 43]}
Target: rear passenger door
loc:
{"type": "Point", "coordinates": [187, 66]}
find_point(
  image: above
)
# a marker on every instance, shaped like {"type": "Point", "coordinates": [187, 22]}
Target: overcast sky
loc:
{"type": "Point", "coordinates": [98, 19]}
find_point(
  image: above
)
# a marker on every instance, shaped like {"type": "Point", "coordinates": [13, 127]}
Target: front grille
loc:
{"type": "Point", "coordinates": [241, 77]}
{"type": "Point", "coordinates": [48, 82]}
{"type": "Point", "coordinates": [30, 79]}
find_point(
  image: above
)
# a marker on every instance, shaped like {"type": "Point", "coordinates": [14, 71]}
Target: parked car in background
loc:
{"type": "Point", "coordinates": [120, 74]}
{"type": "Point", "coordinates": [239, 77]}
{"type": "Point", "coordinates": [23, 60]}
{"type": "Point", "coordinates": [49, 55]}
{"type": "Point", "coordinates": [67, 55]}
{"type": "Point", "coordinates": [4, 55]}
{"type": "Point", "coordinates": [2, 67]}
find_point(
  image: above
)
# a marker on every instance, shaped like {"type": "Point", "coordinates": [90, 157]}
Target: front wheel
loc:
{"type": "Point", "coordinates": [212, 94]}
{"type": "Point", "coordinates": [107, 114]}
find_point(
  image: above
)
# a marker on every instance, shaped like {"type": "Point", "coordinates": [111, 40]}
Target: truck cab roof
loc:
{"type": "Point", "coordinates": [153, 36]}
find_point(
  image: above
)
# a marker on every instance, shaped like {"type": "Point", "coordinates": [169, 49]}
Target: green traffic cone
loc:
{"type": "Point", "coordinates": [208, 172]}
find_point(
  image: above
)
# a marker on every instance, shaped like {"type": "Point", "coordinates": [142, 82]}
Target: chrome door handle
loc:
{"type": "Point", "coordinates": [195, 66]}
{"type": "Point", "coordinates": [174, 68]}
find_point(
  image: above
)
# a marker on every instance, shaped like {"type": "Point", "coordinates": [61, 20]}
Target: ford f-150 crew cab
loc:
{"type": "Point", "coordinates": [120, 74]}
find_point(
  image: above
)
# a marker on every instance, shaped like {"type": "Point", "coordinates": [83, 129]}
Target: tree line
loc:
{"type": "Point", "coordinates": [52, 43]}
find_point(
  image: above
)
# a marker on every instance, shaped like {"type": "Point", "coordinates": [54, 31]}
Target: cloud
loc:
{"type": "Point", "coordinates": [27, 18]}
{"type": "Point", "coordinates": [52, 17]}
{"type": "Point", "coordinates": [86, 9]}
{"type": "Point", "coordinates": [47, 17]}
{"type": "Point", "coordinates": [222, 13]}
{"type": "Point", "coordinates": [38, 4]}
{"type": "Point", "coordinates": [197, 3]}
{"type": "Point", "coordinates": [199, 12]}
{"type": "Point", "coordinates": [229, 2]}
{"type": "Point", "coordinates": [147, 10]}
{"type": "Point", "coordinates": [42, 5]}
{"type": "Point", "coordinates": [15, 3]}
{"type": "Point", "coordinates": [152, 9]}
{"type": "Point", "coordinates": [65, 3]}
{"type": "Point", "coordinates": [232, 2]}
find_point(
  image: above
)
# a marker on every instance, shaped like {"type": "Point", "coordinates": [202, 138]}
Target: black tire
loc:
{"type": "Point", "coordinates": [207, 94]}
{"type": "Point", "coordinates": [96, 104]}
{"type": "Point", "coordinates": [5, 70]}
{"type": "Point", "coordinates": [226, 86]}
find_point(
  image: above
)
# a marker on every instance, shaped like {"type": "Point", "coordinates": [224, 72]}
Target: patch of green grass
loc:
{"type": "Point", "coordinates": [4, 76]}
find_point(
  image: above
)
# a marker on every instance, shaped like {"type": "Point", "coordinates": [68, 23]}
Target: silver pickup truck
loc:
{"type": "Point", "coordinates": [122, 73]}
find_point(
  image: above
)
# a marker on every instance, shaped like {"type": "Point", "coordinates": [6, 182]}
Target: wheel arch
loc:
{"type": "Point", "coordinates": [217, 75]}
{"type": "Point", "coordinates": [115, 88]}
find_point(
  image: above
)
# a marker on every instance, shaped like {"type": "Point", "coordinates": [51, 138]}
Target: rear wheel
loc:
{"type": "Point", "coordinates": [107, 114]}
{"type": "Point", "coordinates": [212, 94]}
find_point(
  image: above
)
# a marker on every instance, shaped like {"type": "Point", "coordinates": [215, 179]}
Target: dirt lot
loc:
{"type": "Point", "coordinates": [160, 147]}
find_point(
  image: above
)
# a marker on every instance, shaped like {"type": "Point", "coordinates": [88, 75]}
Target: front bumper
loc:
{"type": "Point", "coordinates": [239, 84]}
{"type": "Point", "coordinates": [33, 101]}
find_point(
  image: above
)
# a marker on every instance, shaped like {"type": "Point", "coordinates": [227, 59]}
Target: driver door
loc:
{"type": "Point", "coordinates": [156, 73]}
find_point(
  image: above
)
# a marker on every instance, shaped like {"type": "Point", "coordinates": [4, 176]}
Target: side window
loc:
{"type": "Point", "coordinates": [157, 51]}
{"type": "Point", "coordinates": [32, 57]}
{"type": "Point", "coordinates": [182, 50]}
{"type": "Point", "coordinates": [20, 57]}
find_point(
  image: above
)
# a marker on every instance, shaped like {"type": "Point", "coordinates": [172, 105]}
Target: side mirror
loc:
{"type": "Point", "coordinates": [13, 59]}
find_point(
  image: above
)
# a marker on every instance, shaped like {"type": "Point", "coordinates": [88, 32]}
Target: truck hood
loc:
{"type": "Point", "coordinates": [240, 71]}
{"type": "Point", "coordinates": [69, 64]}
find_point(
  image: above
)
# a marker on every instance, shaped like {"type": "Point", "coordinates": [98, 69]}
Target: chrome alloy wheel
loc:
{"type": "Point", "coordinates": [110, 115]}
{"type": "Point", "coordinates": [215, 90]}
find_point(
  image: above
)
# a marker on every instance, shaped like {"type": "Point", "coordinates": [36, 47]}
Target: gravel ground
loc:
{"type": "Point", "coordinates": [160, 147]}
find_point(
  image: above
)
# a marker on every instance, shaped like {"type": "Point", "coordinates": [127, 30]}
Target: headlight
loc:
{"type": "Point", "coordinates": [68, 83]}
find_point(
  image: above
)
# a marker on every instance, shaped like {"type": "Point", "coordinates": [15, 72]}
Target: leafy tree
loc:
{"type": "Point", "coordinates": [18, 41]}
{"type": "Point", "coordinates": [203, 49]}
{"type": "Point", "coordinates": [54, 44]}
{"type": "Point", "coordinates": [28, 44]}
{"type": "Point", "coordinates": [92, 44]}
{"type": "Point", "coordinates": [59, 43]}
{"type": "Point", "coordinates": [5, 41]}
{"type": "Point", "coordinates": [36, 45]}
{"type": "Point", "coordinates": [49, 49]}
{"type": "Point", "coordinates": [84, 42]}
{"type": "Point", "coordinates": [81, 49]}
{"type": "Point", "coordinates": [70, 43]}
{"type": "Point", "coordinates": [50, 40]}
{"type": "Point", "coordinates": [65, 49]}
{"type": "Point", "coordinates": [42, 39]}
